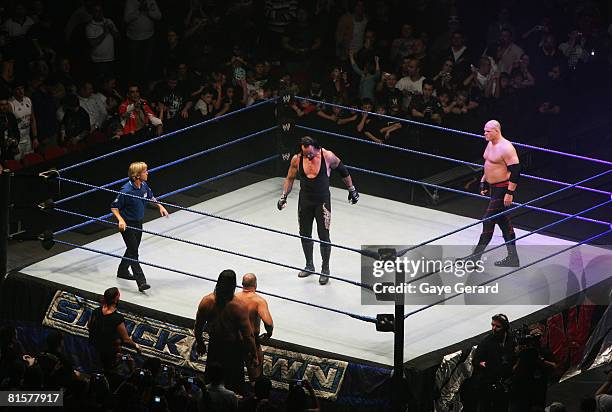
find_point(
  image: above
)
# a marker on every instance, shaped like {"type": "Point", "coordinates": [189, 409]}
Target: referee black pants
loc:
{"type": "Point", "coordinates": [132, 239]}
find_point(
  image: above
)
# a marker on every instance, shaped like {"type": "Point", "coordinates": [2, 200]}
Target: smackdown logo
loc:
{"type": "Point", "coordinates": [172, 344]}
{"type": "Point", "coordinates": [176, 345]}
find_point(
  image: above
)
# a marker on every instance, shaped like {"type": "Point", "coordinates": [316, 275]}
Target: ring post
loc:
{"type": "Point", "coordinates": [5, 199]}
{"type": "Point", "coordinates": [397, 380]}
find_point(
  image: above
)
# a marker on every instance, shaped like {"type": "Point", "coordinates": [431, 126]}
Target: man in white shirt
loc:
{"type": "Point", "coordinates": [94, 104]}
{"type": "Point", "coordinates": [101, 34]}
{"type": "Point", "coordinates": [140, 17]}
{"type": "Point", "coordinates": [19, 24]}
{"type": "Point", "coordinates": [412, 83]}
{"type": "Point", "coordinates": [21, 106]}
{"type": "Point", "coordinates": [508, 53]}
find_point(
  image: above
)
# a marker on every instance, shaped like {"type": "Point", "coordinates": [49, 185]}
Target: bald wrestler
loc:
{"type": "Point", "coordinates": [257, 308]}
{"type": "Point", "coordinates": [230, 334]}
{"type": "Point", "coordinates": [501, 175]}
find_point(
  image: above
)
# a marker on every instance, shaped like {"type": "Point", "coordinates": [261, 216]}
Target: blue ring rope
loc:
{"type": "Point", "coordinates": [211, 179]}
{"type": "Point", "coordinates": [446, 129]}
{"type": "Point", "coordinates": [511, 272]}
{"type": "Point", "coordinates": [519, 205]}
{"type": "Point", "coordinates": [182, 272]}
{"type": "Point", "coordinates": [400, 253]}
{"type": "Point", "coordinates": [163, 136]}
{"type": "Point", "coordinates": [291, 267]}
{"type": "Point", "coordinates": [450, 159]}
{"type": "Point", "coordinates": [323, 242]}
{"type": "Point", "coordinates": [202, 213]}
{"type": "Point", "coordinates": [215, 248]}
{"type": "Point", "coordinates": [182, 159]}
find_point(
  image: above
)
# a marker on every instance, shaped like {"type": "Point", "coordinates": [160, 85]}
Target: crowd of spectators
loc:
{"type": "Point", "coordinates": [128, 385]}
{"type": "Point", "coordinates": [84, 73]}
{"type": "Point", "coordinates": [74, 76]}
{"type": "Point", "coordinates": [123, 382]}
{"type": "Point", "coordinates": [512, 373]}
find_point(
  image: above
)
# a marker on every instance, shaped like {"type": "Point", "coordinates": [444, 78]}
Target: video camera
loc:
{"type": "Point", "coordinates": [525, 337]}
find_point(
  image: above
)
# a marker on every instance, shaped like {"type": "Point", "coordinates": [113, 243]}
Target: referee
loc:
{"type": "Point", "coordinates": [129, 211]}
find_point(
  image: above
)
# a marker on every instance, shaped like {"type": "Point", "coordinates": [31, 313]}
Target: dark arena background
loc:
{"type": "Point", "coordinates": [215, 97]}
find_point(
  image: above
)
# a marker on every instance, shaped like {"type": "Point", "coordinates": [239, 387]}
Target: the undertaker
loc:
{"type": "Point", "coordinates": [313, 165]}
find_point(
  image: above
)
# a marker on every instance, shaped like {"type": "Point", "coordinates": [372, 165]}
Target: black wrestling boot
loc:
{"type": "Point", "coordinates": [509, 262]}
{"type": "Point", "coordinates": [307, 246]}
{"type": "Point", "coordinates": [512, 260]}
{"type": "Point", "coordinates": [325, 253]}
{"type": "Point", "coordinates": [324, 279]}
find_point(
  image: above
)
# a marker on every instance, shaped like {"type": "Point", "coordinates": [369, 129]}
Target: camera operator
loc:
{"type": "Point", "coordinates": [493, 361]}
{"type": "Point", "coordinates": [533, 369]}
{"type": "Point", "coordinates": [9, 132]}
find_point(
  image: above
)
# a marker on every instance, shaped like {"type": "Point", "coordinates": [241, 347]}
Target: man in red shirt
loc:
{"type": "Point", "coordinates": [136, 113]}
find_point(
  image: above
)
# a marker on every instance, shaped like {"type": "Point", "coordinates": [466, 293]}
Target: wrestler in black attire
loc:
{"type": "Point", "coordinates": [500, 179]}
{"type": "Point", "coordinates": [314, 201]}
{"type": "Point", "coordinates": [495, 206]}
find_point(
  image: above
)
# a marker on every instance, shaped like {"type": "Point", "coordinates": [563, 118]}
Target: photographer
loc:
{"type": "Point", "coordinates": [426, 107]}
{"type": "Point", "coordinates": [533, 369]}
{"type": "Point", "coordinates": [493, 361]}
{"type": "Point", "coordinates": [9, 132]}
{"type": "Point", "coordinates": [574, 49]}
{"type": "Point", "coordinates": [136, 114]}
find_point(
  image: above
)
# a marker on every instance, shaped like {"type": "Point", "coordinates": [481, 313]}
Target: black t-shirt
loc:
{"type": "Point", "coordinates": [171, 57]}
{"type": "Point", "coordinates": [75, 122]}
{"type": "Point", "coordinates": [9, 136]}
{"type": "Point", "coordinates": [419, 103]}
{"type": "Point", "coordinates": [542, 63]}
{"type": "Point", "coordinates": [374, 124]}
{"type": "Point", "coordinates": [389, 97]}
{"type": "Point", "coordinates": [302, 37]}
{"type": "Point", "coordinates": [103, 329]}
{"type": "Point", "coordinates": [499, 358]}
{"type": "Point", "coordinates": [553, 92]}
{"type": "Point", "coordinates": [174, 99]}
{"type": "Point", "coordinates": [531, 375]}
{"type": "Point", "coordinates": [234, 104]}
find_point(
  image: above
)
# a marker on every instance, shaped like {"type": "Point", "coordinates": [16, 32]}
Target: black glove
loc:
{"type": "Point", "coordinates": [353, 195]}
{"type": "Point", "coordinates": [282, 202]}
{"type": "Point", "coordinates": [484, 188]}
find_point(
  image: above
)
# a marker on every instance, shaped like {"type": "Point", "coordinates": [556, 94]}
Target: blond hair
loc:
{"type": "Point", "coordinates": [136, 168]}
